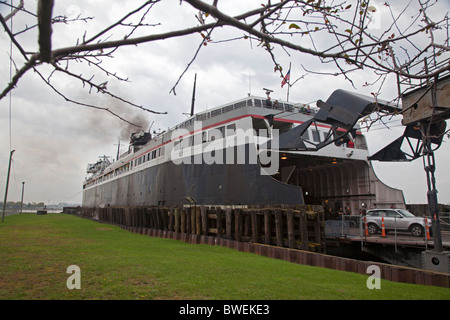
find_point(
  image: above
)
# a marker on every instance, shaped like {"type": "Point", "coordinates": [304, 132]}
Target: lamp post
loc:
{"type": "Point", "coordinates": [7, 185]}
{"type": "Point", "coordinates": [21, 202]}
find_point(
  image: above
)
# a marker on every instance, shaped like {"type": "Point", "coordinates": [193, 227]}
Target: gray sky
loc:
{"type": "Point", "coordinates": [55, 140]}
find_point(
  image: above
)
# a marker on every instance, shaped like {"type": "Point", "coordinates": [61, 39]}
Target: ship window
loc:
{"type": "Point", "coordinates": [204, 136]}
{"type": "Point", "coordinates": [316, 135]}
{"type": "Point", "coordinates": [231, 129]}
{"type": "Point", "coordinates": [162, 151]}
{"type": "Point", "coordinates": [222, 131]}
{"type": "Point", "coordinates": [216, 112]}
{"type": "Point", "coordinates": [260, 127]}
{"type": "Point", "coordinates": [305, 135]}
{"type": "Point", "coordinates": [227, 108]}
{"type": "Point", "coordinates": [288, 107]}
{"type": "Point", "coordinates": [240, 104]}
{"type": "Point", "coordinates": [216, 133]}
{"type": "Point", "coordinates": [197, 139]}
{"type": "Point", "coordinates": [282, 126]}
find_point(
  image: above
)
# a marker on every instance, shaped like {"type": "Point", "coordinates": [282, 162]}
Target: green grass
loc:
{"type": "Point", "coordinates": [35, 252]}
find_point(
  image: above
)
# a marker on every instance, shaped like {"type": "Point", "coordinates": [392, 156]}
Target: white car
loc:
{"type": "Point", "coordinates": [396, 219]}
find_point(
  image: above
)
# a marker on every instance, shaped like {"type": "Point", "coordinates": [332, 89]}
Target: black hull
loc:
{"type": "Point", "coordinates": [215, 184]}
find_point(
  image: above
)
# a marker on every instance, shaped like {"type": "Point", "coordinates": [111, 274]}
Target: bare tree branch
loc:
{"type": "Point", "coordinates": [293, 25]}
{"type": "Point", "coordinates": [12, 37]}
{"type": "Point", "coordinates": [205, 39]}
{"type": "Point", "coordinates": [81, 103]}
{"type": "Point", "coordinates": [102, 88]}
{"type": "Point", "coordinates": [30, 64]}
{"type": "Point", "coordinates": [14, 11]}
{"type": "Point", "coordinates": [45, 9]}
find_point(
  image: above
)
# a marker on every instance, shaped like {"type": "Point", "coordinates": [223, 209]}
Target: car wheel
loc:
{"type": "Point", "coordinates": [372, 228]}
{"type": "Point", "coordinates": [416, 230]}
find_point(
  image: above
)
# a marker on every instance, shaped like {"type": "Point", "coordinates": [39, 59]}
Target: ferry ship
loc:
{"type": "Point", "coordinates": [241, 154]}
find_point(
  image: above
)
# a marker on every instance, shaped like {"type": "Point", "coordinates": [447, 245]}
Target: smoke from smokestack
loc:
{"type": "Point", "coordinates": [106, 124]}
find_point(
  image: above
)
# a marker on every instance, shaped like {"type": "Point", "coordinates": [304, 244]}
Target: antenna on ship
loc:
{"type": "Point", "coordinates": [268, 92]}
{"type": "Point", "coordinates": [149, 129]}
{"type": "Point", "coordinates": [193, 96]}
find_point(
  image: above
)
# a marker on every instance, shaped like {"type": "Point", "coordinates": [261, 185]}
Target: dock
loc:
{"type": "Point", "coordinates": [291, 233]}
{"type": "Point", "coordinates": [293, 226]}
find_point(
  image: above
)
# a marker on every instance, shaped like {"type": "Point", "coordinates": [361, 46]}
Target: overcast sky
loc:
{"type": "Point", "coordinates": [55, 140]}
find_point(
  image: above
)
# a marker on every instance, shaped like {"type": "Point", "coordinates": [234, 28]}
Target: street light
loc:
{"type": "Point", "coordinates": [21, 202]}
{"type": "Point", "coordinates": [7, 185]}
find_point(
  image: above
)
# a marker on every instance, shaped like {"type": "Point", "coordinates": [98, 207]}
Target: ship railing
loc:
{"type": "Point", "coordinates": [251, 102]}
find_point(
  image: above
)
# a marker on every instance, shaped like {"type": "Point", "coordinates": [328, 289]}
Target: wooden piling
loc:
{"type": "Point", "coordinates": [204, 217]}
{"type": "Point", "coordinates": [279, 227]}
{"type": "Point", "coordinates": [238, 225]}
{"type": "Point", "coordinates": [267, 227]}
{"type": "Point", "coordinates": [219, 222]}
{"type": "Point", "coordinates": [171, 219]}
{"type": "Point", "coordinates": [255, 230]}
{"type": "Point", "coordinates": [228, 222]}
{"type": "Point", "coordinates": [198, 221]}
{"type": "Point", "coordinates": [177, 220]}
{"type": "Point", "coordinates": [183, 220]}
{"type": "Point", "coordinates": [304, 230]}
{"type": "Point", "coordinates": [188, 220]}
{"type": "Point", "coordinates": [290, 229]}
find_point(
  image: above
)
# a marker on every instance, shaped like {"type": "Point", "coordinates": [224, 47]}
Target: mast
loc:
{"type": "Point", "coordinates": [193, 96]}
{"type": "Point", "coordinates": [288, 82]}
{"type": "Point", "coordinates": [118, 150]}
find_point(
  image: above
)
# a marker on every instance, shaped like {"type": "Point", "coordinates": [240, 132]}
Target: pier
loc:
{"type": "Point", "coordinates": [295, 227]}
{"type": "Point", "coordinates": [292, 233]}
{"type": "Point", "coordinates": [347, 237]}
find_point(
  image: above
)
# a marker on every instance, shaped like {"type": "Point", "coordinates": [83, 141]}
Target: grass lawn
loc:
{"type": "Point", "coordinates": [35, 252]}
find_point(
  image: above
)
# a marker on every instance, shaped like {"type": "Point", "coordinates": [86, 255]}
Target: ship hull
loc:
{"type": "Point", "coordinates": [207, 184]}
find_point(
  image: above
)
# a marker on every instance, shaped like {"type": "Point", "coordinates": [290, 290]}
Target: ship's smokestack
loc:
{"type": "Point", "coordinates": [193, 96]}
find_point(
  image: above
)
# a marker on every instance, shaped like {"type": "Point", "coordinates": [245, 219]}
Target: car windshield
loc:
{"type": "Point", "coordinates": [406, 213]}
